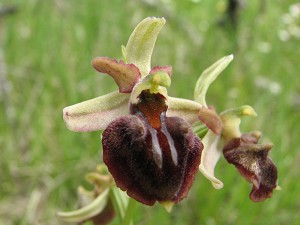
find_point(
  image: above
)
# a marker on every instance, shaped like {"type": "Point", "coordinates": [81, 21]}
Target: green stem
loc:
{"type": "Point", "coordinates": [129, 212]}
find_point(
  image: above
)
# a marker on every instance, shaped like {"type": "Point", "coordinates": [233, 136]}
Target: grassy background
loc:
{"type": "Point", "coordinates": [47, 47]}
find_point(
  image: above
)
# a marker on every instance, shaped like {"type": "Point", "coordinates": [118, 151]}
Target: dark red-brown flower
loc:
{"type": "Point", "coordinates": [252, 161]}
{"type": "Point", "coordinates": [151, 156]}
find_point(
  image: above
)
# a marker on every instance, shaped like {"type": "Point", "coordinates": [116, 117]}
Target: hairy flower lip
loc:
{"type": "Point", "coordinates": [253, 163]}
{"type": "Point", "coordinates": [142, 179]}
{"type": "Point", "coordinates": [151, 156]}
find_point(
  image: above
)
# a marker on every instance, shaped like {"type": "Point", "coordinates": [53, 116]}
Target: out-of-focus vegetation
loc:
{"type": "Point", "coordinates": [46, 48]}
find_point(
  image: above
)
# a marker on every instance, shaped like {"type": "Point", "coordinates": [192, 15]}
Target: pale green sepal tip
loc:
{"type": "Point", "coordinates": [168, 205]}
{"type": "Point", "coordinates": [208, 76]}
{"type": "Point", "coordinates": [140, 45]}
{"type": "Point", "coordinates": [89, 211]}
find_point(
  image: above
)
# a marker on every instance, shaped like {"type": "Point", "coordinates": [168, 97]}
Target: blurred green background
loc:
{"type": "Point", "coordinates": [45, 52]}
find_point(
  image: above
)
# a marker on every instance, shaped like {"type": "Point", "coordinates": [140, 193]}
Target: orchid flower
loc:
{"type": "Point", "coordinates": [148, 143]}
{"type": "Point", "coordinates": [240, 149]}
{"type": "Point", "coordinates": [95, 205]}
{"type": "Point", "coordinates": [154, 144]}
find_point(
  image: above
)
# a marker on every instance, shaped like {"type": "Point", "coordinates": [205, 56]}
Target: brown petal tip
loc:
{"type": "Point", "coordinates": [166, 69]}
{"type": "Point", "coordinates": [125, 75]}
{"type": "Point", "coordinates": [211, 119]}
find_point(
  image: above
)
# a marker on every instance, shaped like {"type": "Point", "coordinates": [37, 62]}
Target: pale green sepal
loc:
{"type": "Point", "coordinates": [140, 45]}
{"type": "Point", "coordinates": [85, 197]}
{"type": "Point", "coordinates": [208, 76]}
{"type": "Point", "coordinates": [183, 108]}
{"type": "Point", "coordinates": [231, 120]}
{"type": "Point", "coordinates": [210, 156]}
{"type": "Point", "coordinates": [168, 205]}
{"type": "Point", "coordinates": [86, 212]}
{"type": "Point", "coordinates": [97, 113]}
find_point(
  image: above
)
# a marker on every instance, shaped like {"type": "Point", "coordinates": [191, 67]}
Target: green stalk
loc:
{"type": "Point", "coordinates": [129, 212]}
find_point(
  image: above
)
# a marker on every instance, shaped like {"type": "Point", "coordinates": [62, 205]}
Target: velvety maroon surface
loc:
{"type": "Point", "coordinates": [129, 153]}
{"type": "Point", "coordinates": [252, 161]}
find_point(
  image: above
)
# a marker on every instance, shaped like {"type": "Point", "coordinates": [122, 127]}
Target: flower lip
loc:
{"type": "Point", "coordinates": [151, 156]}
{"type": "Point", "coordinates": [151, 109]}
{"type": "Point", "coordinates": [252, 161]}
{"type": "Point", "coordinates": [128, 149]}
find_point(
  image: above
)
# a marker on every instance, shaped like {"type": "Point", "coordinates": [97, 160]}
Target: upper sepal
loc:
{"type": "Point", "coordinates": [140, 45]}
{"type": "Point", "coordinates": [125, 75]}
{"type": "Point", "coordinates": [252, 161]}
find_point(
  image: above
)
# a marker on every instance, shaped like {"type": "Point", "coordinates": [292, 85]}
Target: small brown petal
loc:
{"type": "Point", "coordinates": [125, 75]}
{"type": "Point", "coordinates": [252, 161]}
{"type": "Point", "coordinates": [211, 119]}
{"type": "Point", "coordinates": [166, 69]}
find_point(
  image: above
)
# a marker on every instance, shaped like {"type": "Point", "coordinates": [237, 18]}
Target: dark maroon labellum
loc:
{"type": "Point", "coordinates": [151, 156]}
{"type": "Point", "coordinates": [252, 161]}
